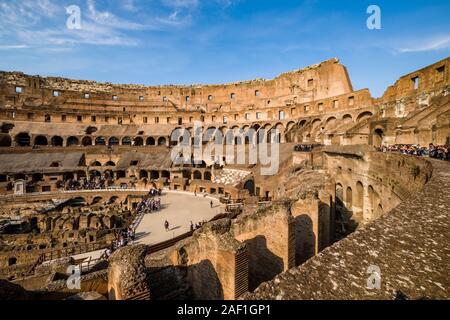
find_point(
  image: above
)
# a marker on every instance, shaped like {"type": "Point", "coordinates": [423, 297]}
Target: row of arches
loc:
{"type": "Point", "coordinates": [359, 200]}
{"type": "Point", "coordinates": [24, 140]}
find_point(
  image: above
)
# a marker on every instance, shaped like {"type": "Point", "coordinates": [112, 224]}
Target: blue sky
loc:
{"type": "Point", "coordinates": [215, 41]}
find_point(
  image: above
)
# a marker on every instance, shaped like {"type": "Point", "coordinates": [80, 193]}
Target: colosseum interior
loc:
{"type": "Point", "coordinates": [79, 158]}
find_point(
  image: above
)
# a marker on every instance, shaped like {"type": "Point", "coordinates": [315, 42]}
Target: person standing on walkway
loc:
{"type": "Point", "coordinates": [212, 204]}
{"type": "Point", "coordinates": [166, 225]}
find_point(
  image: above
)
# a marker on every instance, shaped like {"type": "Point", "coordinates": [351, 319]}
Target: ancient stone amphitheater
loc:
{"type": "Point", "coordinates": [340, 219]}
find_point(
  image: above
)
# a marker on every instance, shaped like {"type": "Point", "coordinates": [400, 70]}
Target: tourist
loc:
{"type": "Point", "coordinates": [166, 225]}
{"type": "Point", "coordinates": [212, 204]}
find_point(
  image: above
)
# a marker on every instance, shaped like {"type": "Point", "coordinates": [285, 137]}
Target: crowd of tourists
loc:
{"type": "Point", "coordinates": [441, 152]}
{"type": "Point", "coordinates": [93, 184]}
{"type": "Point", "coordinates": [303, 148]}
{"type": "Point", "coordinates": [150, 203]}
{"type": "Point", "coordinates": [122, 239]}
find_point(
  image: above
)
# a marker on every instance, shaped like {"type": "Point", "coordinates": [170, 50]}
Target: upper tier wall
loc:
{"type": "Point", "coordinates": [316, 82]}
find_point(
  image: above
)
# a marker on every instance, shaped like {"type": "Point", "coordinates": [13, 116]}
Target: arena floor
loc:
{"type": "Point", "coordinates": [179, 209]}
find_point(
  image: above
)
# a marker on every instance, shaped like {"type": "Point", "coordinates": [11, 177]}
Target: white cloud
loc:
{"type": "Point", "coordinates": [429, 45]}
{"type": "Point", "coordinates": [13, 46]}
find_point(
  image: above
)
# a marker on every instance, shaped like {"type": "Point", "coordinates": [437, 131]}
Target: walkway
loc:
{"type": "Point", "coordinates": [179, 209]}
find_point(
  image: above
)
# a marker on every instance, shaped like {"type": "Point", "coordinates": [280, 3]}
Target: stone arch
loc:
{"type": "Point", "coordinates": [330, 123]}
{"type": "Point", "coordinates": [100, 141]}
{"type": "Point", "coordinates": [359, 199]}
{"type": "Point", "coordinates": [378, 137]}
{"type": "Point", "coordinates": [290, 125]}
{"type": "Point", "coordinates": [95, 163]}
{"type": "Point", "coordinates": [250, 186]}
{"type": "Point", "coordinates": [150, 141]}
{"type": "Point", "coordinates": [162, 141]}
{"type": "Point", "coordinates": [23, 139]}
{"type": "Point", "coordinates": [113, 141]}
{"type": "Point", "coordinates": [349, 197]}
{"type": "Point", "coordinates": [86, 141]}
{"type": "Point", "coordinates": [347, 118]}
{"type": "Point", "coordinates": [5, 140]}
{"type": "Point", "coordinates": [72, 141]}
{"type": "Point", "coordinates": [143, 174]}
{"type": "Point", "coordinates": [138, 142]}
{"type": "Point", "coordinates": [110, 164]}
{"type": "Point", "coordinates": [127, 141]}
{"type": "Point", "coordinates": [197, 175]}
{"type": "Point", "coordinates": [12, 261]}
{"type": "Point", "coordinates": [41, 141]}
{"type": "Point", "coordinates": [57, 141]}
{"type": "Point", "coordinates": [96, 200]}
{"type": "Point", "coordinates": [154, 175]}
{"type": "Point", "coordinates": [363, 116]}
{"type": "Point", "coordinates": [339, 196]}
{"type": "Point", "coordinates": [373, 202]}
{"type": "Point", "coordinates": [207, 176]}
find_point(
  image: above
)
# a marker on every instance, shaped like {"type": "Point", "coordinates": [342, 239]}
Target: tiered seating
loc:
{"type": "Point", "coordinates": [230, 177]}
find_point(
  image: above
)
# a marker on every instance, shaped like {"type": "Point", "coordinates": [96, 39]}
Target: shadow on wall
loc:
{"type": "Point", "coordinates": [205, 281]}
{"type": "Point", "coordinates": [263, 264]}
{"type": "Point", "coordinates": [305, 239]}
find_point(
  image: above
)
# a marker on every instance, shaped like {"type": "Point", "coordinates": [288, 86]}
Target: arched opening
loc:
{"type": "Point", "coordinates": [197, 175]}
{"type": "Point", "coordinates": [150, 141]}
{"type": "Point", "coordinates": [100, 141]}
{"type": "Point", "coordinates": [378, 137]}
{"type": "Point", "coordinates": [97, 200]}
{"type": "Point", "coordinates": [349, 198]}
{"type": "Point", "coordinates": [96, 164]}
{"type": "Point", "coordinates": [143, 174]}
{"type": "Point", "coordinates": [127, 141]}
{"type": "Point", "coordinates": [110, 164]}
{"type": "Point", "coordinates": [250, 186]}
{"type": "Point", "coordinates": [348, 118]}
{"type": "Point", "coordinates": [154, 175]}
{"type": "Point", "coordinates": [5, 140]}
{"type": "Point", "coordinates": [87, 141]}
{"type": "Point", "coordinates": [113, 199]}
{"type": "Point", "coordinates": [113, 141]}
{"type": "Point", "coordinates": [363, 116]}
{"type": "Point", "coordinates": [339, 197]}
{"type": "Point", "coordinates": [373, 203]}
{"type": "Point", "coordinates": [23, 139]}
{"type": "Point", "coordinates": [162, 141]}
{"type": "Point", "coordinates": [72, 141]}
{"type": "Point", "coordinates": [359, 200]}
{"type": "Point", "coordinates": [138, 141]}
{"type": "Point", "coordinates": [207, 176]}
{"type": "Point", "coordinates": [57, 141]}
{"type": "Point", "coordinates": [331, 122]}
{"type": "Point", "coordinates": [41, 141]}
{"type": "Point", "coordinates": [12, 261]}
